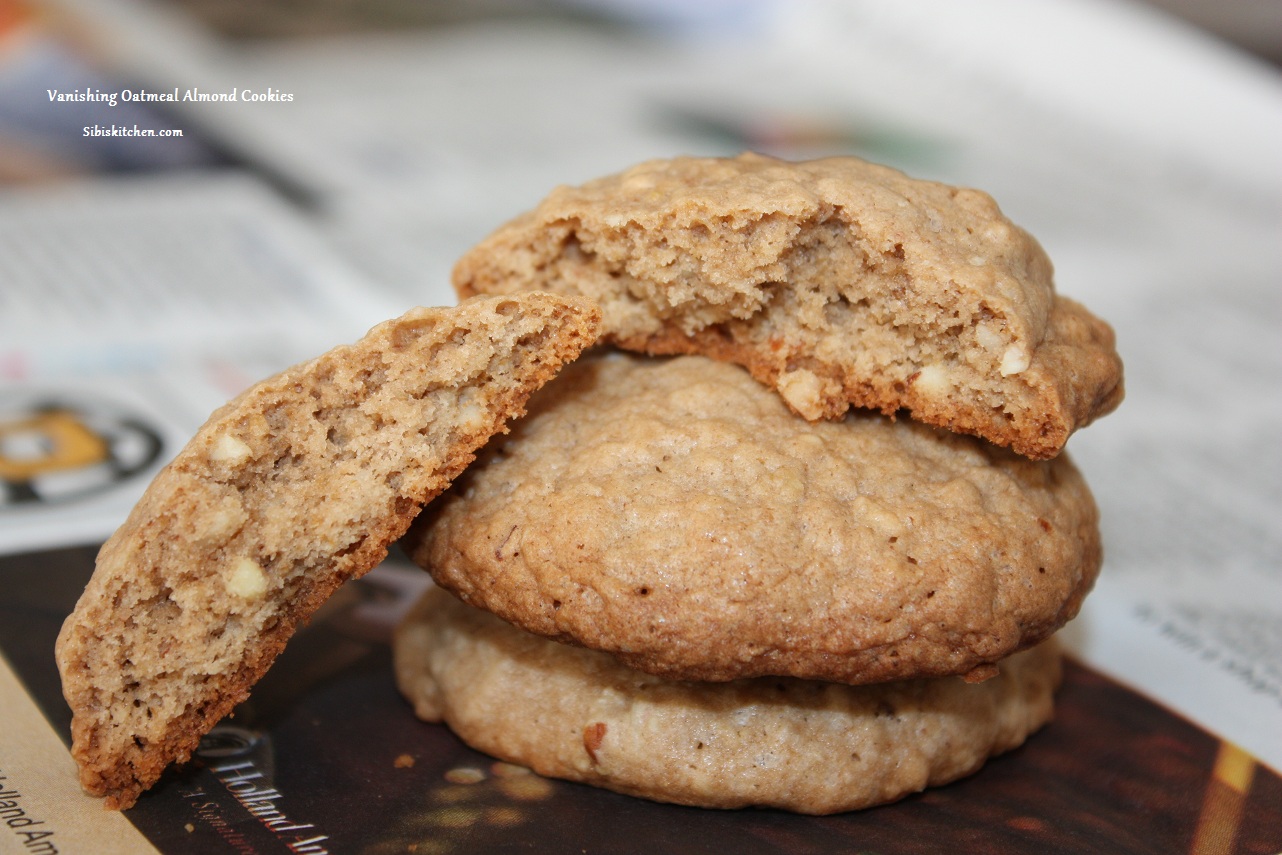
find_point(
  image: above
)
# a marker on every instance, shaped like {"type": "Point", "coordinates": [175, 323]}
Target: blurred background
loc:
{"type": "Point", "coordinates": [1255, 26]}
{"type": "Point", "coordinates": [409, 128]}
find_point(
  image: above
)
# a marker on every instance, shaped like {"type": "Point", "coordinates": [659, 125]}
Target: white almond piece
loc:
{"type": "Point", "coordinates": [1014, 360]}
{"type": "Point", "coordinates": [472, 413]}
{"type": "Point", "coordinates": [802, 390]}
{"type": "Point", "coordinates": [221, 520]}
{"type": "Point", "coordinates": [247, 579]}
{"type": "Point", "coordinates": [933, 381]}
{"type": "Point", "coordinates": [229, 449]}
{"type": "Point", "coordinates": [988, 337]}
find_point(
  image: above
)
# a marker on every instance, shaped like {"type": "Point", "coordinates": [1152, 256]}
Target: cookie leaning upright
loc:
{"type": "Point", "coordinates": [836, 281]}
{"type": "Point", "coordinates": [291, 489]}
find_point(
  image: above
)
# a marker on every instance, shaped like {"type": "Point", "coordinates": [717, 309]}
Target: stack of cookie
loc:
{"type": "Point", "coordinates": [676, 578]}
{"type": "Point", "coordinates": [801, 534]}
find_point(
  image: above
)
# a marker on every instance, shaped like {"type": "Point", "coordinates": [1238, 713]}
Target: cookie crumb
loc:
{"type": "Point", "coordinates": [404, 761]}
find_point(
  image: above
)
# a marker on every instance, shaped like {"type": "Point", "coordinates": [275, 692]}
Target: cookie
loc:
{"type": "Point", "coordinates": [835, 281]}
{"type": "Point", "coordinates": [291, 489]}
{"type": "Point", "coordinates": [804, 746]}
{"type": "Point", "coordinates": [674, 513]}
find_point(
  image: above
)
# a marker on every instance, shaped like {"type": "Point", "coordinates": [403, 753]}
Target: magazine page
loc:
{"type": "Point", "coordinates": [180, 291]}
{"type": "Point", "coordinates": [145, 280]}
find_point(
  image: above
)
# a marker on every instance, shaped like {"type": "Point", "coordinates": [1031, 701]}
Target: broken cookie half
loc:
{"type": "Point", "coordinates": [291, 489]}
{"type": "Point", "coordinates": [837, 282]}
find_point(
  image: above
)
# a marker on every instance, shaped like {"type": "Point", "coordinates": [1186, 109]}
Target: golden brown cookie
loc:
{"type": "Point", "coordinates": [836, 281]}
{"type": "Point", "coordinates": [674, 513]}
{"type": "Point", "coordinates": [805, 746]}
{"type": "Point", "coordinates": [291, 489]}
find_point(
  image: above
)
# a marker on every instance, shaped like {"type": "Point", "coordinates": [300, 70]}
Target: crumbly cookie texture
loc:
{"type": "Point", "coordinates": [805, 746]}
{"type": "Point", "coordinates": [291, 489]}
{"type": "Point", "coordinates": [674, 513]}
{"type": "Point", "coordinates": [835, 281]}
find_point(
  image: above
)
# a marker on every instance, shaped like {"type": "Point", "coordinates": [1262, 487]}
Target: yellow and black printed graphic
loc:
{"type": "Point", "coordinates": [54, 451]}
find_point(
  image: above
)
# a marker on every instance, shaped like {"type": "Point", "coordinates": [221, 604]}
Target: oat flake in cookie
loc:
{"type": "Point", "coordinates": [835, 281]}
{"type": "Point", "coordinates": [291, 489]}
{"type": "Point", "coordinates": [804, 746]}
{"type": "Point", "coordinates": [674, 513]}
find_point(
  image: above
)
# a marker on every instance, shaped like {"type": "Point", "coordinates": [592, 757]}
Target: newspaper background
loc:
{"type": "Point", "coordinates": [1142, 155]}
